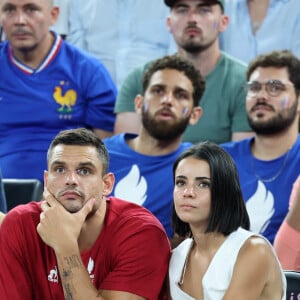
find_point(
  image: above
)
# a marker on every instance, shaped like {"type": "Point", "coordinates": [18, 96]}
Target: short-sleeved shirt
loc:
{"type": "Point", "coordinates": [70, 89]}
{"type": "Point", "coordinates": [223, 101]}
{"type": "Point", "coordinates": [131, 254]}
{"type": "Point", "coordinates": [266, 184]}
{"type": "Point", "coordinates": [146, 180]}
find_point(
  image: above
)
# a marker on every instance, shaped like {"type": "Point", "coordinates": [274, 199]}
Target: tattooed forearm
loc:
{"type": "Point", "coordinates": [75, 279]}
{"type": "Point", "coordinates": [68, 293]}
{"type": "Point", "coordinates": [67, 286]}
{"type": "Point", "coordinates": [66, 273]}
{"type": "Point", "coordinates": [73, 261]}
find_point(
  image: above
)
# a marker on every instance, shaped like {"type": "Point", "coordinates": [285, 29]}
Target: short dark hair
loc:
{"type": "Point", "coordinates": [228, 210]}
{"type": "Point", "coordinates": [182, 65]}
{"type": "Point", "coordinates": [81, 137]}
{"type": "Point", "coordinates": [278, 59]}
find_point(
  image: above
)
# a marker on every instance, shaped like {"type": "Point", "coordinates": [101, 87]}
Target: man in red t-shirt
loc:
{"type": "Point", "coordinates": [78, 243]}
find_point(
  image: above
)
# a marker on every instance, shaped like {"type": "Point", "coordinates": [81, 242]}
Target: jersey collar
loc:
{"type": "Point", "coordinates": [48, 59]}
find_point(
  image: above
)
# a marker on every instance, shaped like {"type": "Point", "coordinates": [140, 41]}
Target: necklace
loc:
{"type": "Point", "coordinates": [278, 172]}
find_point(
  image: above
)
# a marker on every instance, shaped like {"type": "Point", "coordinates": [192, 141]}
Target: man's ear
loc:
{"type": "Point", "coordinates": [299, 104]}
{"type": "Point", "coordinates": [223, 24]}
{"type": "Point", "coordinates": [108, 183]}
{"type": "Point", "coordinates": [45, 177]}
{"type": "Point", "coordinates": [54, 14]}
{"type": "Point", "coordinates": [195, 115]}
{"type": "Point", "coordinates": [168, 23]}
{"type": "Point", "coordinates": [138, 104]}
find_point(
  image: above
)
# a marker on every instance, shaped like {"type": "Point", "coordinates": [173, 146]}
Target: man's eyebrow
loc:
{"type": "Point", "coordinates": [181, 89]}
{"type": "Point", "coordinates": [81, 164]}
{"type": "Point", "coordinates": [7, 5]}
{"type": "Point", "coordinates": [161, 85]}
{"type": "Point", "coordinates": [180, 5]}
{"type": "Point", "coordinates": [58, 162]}
{"type": "Point", "coordinates": [28, 5]}
{"type": "Point", "coordinates": [177, 88]}
{"type": "Point", "coordinates": [31, 5]}
{"type": "Point", "coordinates": [86, 164]}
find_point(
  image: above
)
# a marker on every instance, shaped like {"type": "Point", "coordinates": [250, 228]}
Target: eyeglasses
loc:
{"type": "Point", "coordinates": [273, 87]}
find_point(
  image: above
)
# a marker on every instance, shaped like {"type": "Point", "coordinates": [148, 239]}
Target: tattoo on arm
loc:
{"type": "Point", "coordinates": [68, 291]}
{"type": "Point", "coordinates": [72, 262]}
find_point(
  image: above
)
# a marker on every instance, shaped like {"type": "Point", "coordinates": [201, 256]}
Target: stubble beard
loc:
{"type": "Point", "coordinates": [192, 46]}
{"type": "Point", "coordinates": [277, 124]}
{"type": "Point", "coordinates": [27, 49]}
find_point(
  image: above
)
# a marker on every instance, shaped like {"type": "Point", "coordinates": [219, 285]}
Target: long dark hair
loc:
{"type": "Point", "coordinates": [228, 209]}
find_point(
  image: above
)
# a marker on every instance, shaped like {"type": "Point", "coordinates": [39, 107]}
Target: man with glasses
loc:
{"type": "Point", "coordinates": [269, 162]}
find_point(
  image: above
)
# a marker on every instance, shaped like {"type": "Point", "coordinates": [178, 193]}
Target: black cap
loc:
{"type": "Point", "coordinates": [171, 3]}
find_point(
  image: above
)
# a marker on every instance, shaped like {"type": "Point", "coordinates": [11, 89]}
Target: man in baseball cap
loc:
{"type": "Point", "coordinates": [170, 3]}
{"type": "Point", "coordinates": [195, 26]}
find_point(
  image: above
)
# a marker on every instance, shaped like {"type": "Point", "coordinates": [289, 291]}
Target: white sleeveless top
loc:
{"type": "Point", "coordinates": [215, 283]}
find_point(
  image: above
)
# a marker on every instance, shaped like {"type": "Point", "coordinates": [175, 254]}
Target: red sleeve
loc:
{"type": "Point", "coordinates": [142, 259]}
{"type": "Point", "coordinates": [14, 281]}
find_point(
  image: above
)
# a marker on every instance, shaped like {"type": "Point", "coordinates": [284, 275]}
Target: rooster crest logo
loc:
{"type": "Point", "coordinates": [65, 101]}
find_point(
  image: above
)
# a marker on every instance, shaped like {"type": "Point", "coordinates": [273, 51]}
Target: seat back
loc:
{"type": "Point", "coordinates": [3, 207]}
{"type": "Point", "coordinates": [21, 191]}
{"type": "Point", "coordinates": [293, 285]}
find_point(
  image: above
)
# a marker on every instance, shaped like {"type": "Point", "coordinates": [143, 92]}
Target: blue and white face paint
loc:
{"type": "Point", "coordinates": [185, 111]}
{"type": "Point", "coordinates": [284, 102]}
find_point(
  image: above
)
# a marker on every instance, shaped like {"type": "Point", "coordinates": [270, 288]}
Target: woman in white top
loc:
{"type": "Point", "coordinates": [221, 258]}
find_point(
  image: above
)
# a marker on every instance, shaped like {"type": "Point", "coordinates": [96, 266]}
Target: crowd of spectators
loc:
{"type": "Point", "coordinates": [98, 64]}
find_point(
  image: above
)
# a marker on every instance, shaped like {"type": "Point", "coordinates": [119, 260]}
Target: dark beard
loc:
{"type": "Point", "coordinates": [194, 48]}
{"type": "Point", "coordinates": [164, 130]}
{"type": "Point", "coordinates": [277, 124]}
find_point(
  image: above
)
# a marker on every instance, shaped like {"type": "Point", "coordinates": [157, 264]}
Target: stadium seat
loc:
{"type": "Point", "coordinates": [293, 285]}
{"type": "Point", "coordinates": [21, 191]}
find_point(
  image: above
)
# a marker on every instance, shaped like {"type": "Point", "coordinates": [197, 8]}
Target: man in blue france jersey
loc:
{"type": "Point", "coordinates": [46, 85]}
{"type": "Point", "coordinates": [269, 162]}
{"type": "Point", "coordinates": [143, 163]}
